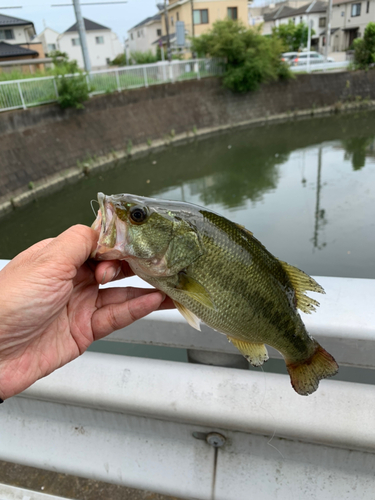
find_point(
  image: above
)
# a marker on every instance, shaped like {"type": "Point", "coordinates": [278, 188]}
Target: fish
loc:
{"type": "Point", "coordinates": [218, 273]}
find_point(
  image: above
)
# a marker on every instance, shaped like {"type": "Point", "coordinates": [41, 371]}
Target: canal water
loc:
{"type": "Point", "coordinates": [306, 189]}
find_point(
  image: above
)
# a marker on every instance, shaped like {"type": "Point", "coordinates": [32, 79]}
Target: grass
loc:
{"type": "Point", "coordinates": [41, 91]}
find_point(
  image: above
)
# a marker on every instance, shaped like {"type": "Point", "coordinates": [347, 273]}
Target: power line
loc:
{"type": "Point", "coordinates": [94, 3]}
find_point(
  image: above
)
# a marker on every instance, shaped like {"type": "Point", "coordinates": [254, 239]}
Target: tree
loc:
{"type": "Point", "coordinates": [250, 58]}
{"type": "Point", "coordinates": [293, 36]}
{"type": "Point", "coordinates": [364, 48]}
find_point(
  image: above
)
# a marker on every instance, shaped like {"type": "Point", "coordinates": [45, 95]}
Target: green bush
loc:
{"type": "Point", "coordinates": [293, 36]}
{"type": "Point", "coordinates": [119, 60]}
{"type": "Point", "coordinates": [73, 90]}
{"type": "Point", "coordinates": [143, 57]}
{"type": "Point", "coordinates": [250, 58]}
{"type": "Point", "coordinates": [364, 48]}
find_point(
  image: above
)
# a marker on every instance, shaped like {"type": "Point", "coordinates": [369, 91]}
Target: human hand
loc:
{"type": "Point", "coordinates": [52, 308]}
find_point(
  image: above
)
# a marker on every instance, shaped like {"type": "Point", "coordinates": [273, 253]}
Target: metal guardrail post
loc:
{"type": "Point", "coordinates": [145, 76]}
{"type": "Point", "coordinates": [118, 80]}
{"type": "Point", "coordinates": [56, 90]}
{"type": "Point", "coordinates": [87, 82]}
{"type": "Point", "coordinates": [171, 76]}
{"type": "Point", "coordinates": [198, 73]}
{"type": "Point", "coordinates": [164, 73]}
{"type": "Point", "coordinates": [21, 95]}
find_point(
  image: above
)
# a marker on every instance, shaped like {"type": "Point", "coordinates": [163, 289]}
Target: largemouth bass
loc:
{"type": "Point", "coordinates": [217, 272]}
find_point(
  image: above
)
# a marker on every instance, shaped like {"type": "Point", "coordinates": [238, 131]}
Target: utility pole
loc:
{"type": "Point", "coordinates": [81, 26]}
{"type": "Point", "coordinates": [82, 35]}
{"type": "Point", "coordinates": [328, 30]}
{"type": "Point", "coordinates": [308, 43]}
{"type": "Point", "coordinates": [192, 19]}
{"type": "Point", "coordinates": [169, 55]}
{"type": "Point", "coordinates": [192, 25]}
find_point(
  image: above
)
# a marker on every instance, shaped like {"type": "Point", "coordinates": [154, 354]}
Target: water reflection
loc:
{"type": "Point", "coordinates": [356, 150]}
{"type": "Point", "coordinates": [300, 187]}
{"type": "Point", "coordinates": [246, 177]}
{"type": "Point", "coordinates": [320, 218]}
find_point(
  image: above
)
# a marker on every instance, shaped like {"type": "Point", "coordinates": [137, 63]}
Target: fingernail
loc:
{"type": "Point", "coordinates": [103, 279]}
{"type": "Point", "coordinates": [114, 274]}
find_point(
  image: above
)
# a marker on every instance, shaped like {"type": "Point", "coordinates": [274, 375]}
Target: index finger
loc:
{"type": "Point", "coordinates": [111, 270]}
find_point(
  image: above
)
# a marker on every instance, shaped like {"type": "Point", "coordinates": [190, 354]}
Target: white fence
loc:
{"type": "Point", "coordinates": [208, 432]}
{"type": "Point", "coordinates": [15, 94]}
{"type": "Point", "coordinates": [320, 66]}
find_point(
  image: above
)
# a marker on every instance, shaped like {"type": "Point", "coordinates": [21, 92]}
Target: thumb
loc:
{"type": "Point", "coordinates": [74, 245]}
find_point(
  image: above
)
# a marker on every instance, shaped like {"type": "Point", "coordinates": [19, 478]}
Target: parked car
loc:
{"type": "Point", "coordinates": [288, 56]}
{"type": "Point", "coordinates": [301, 58]}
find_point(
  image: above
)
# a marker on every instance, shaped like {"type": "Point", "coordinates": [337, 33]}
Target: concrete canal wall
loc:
{"type": "Point", "coordinates": [44, 143]}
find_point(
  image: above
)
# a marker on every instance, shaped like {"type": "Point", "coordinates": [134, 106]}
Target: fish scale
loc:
{"type": "Point", "coordinates": [216, 271]}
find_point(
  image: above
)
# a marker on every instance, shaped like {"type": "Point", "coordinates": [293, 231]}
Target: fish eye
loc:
{"type": "Point", "coordinates": [138, 214]}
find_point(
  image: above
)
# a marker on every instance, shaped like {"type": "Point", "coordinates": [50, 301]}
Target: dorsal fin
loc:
{"type": "Point", "coordinates": [302, 282]}
{"type": "Point", "coordinates": [244, 229]}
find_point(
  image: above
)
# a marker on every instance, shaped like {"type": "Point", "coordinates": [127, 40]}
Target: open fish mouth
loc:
{"type": "Point", "coordinates": [112, 237]}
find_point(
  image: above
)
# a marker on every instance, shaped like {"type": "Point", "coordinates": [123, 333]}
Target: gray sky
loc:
{"type": "Point", "coordinates": [117, 17]}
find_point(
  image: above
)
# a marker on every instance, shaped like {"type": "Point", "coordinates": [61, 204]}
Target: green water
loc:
{"type": "Point", "coordinates": [306, 190]}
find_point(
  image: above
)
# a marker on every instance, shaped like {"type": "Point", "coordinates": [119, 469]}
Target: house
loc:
{"type": "Point", "coordinates": [349, 20]}
{"type": "Point", "coordinates": [17, 44]}
{"type": "Point", "coordinates": [48, 38]}
{"type": "Point", "coordinates": [16, 31]}
{"type": "Point", "coordinates": [315, 12]}
{"type": "Point", "coordinates": [142, 36]}
{"type": "Point", "coordinates": [103, 45]}
{"type": "Point", "coordinates": [199, 16]}
{"type": "Point", "coordinates": [256, 13]}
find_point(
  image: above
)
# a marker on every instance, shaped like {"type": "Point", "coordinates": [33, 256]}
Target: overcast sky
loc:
{"type": "Point", "coordinates": [119, 17]}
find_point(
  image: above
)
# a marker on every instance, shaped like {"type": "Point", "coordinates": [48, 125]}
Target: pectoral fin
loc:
{"type": "Point", "coordinates": [302, 282]}
{"type": "Point", "coordinates": [190, 317]}
{"type": "Point", "coordinates": [256, 354]}
{"type": "Point", "coordinates": [194, 290]}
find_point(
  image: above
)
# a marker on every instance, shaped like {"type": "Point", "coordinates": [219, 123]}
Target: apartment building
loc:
{"type": "Point", "coordinates": [199, 16]}
{"type": "Point", "coordinates": [349, 20]}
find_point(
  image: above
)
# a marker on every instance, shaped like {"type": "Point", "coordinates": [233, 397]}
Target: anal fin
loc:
{"type": "Point", "coordinates": [256, 354]}
{"type": "Point", "coordinates": [190, 317]}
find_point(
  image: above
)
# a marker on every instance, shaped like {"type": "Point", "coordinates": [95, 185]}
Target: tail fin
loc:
{"type": "Point", "coordinates": [305, 376]}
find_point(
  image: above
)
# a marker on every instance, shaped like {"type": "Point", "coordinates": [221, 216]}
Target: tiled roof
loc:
{"type": "Point", "coordinates": [9, 50]}
{"type": "Point", "coordinates": [156, 17]}
{"type": "Point", "coordinates": [336, 2]}
{"type": "Point", "coordinates": [284, 11]}
{"type": "Point", "coordinates": [163, 39]}
{"type": "Point", "coordinates": [279, 13]}
{"type": "Point", "coordinates": [311, 8]}
{"type": "Point", "coordinates": [89, 26]}
{"type": "Point", "coordinates": [12, 21]}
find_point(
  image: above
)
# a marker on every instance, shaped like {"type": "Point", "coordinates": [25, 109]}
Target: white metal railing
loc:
{"type": "Point", "coordinates": [15, 94]}
{"type": "Point", "coordinates": [146, 423]}
{"type": "Point", "coordinates": [319, 66]}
